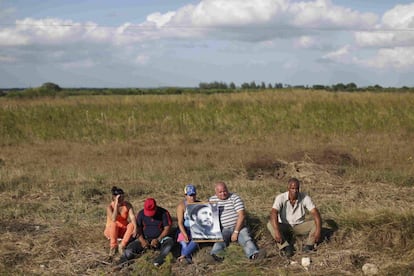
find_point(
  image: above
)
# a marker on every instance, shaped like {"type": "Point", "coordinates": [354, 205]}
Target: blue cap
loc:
{"type": "Point", "coordinates": [190, 190]}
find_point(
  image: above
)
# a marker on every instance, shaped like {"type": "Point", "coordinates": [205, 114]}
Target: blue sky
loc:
{"type": "Point", "coordinates": [153, 43]}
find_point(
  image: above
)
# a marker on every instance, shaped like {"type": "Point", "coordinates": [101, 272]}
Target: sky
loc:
{"type": "Point", "coordinates": [158, 43]}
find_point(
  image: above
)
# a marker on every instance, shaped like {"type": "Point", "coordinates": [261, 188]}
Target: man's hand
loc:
{"type": "Point", "coordinates": [234, 236]}
{"type": "Point", "coordinates": [278, 237]}
{"type": "Point", "coordinates": [144, 243]}
{"type": "Point", "coordinates": [154, 243]}
{"type": "Point", "coordinates": [318, 223]}
{"type": "Point", "coordinates": [317, 236]}
{"type": "Point", "coordinates": [274, 215]}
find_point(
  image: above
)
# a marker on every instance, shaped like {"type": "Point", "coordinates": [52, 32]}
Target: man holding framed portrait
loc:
{"type": "Point", "coordinates": [232, 216]}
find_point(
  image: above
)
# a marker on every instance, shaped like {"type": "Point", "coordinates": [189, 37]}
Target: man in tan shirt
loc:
{"type": "Point", "coordinates": [288, 217]}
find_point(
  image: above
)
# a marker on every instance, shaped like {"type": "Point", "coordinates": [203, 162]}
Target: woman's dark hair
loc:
{"type": "Point", "coordinates": [117, 191]}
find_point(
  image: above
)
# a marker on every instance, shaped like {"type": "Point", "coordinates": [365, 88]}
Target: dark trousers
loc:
{"type": "Point", "coordinates": [134, 248]}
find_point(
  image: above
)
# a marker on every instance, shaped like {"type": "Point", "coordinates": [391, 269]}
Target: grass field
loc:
{"type": "Point", "coordinates": [59, 158]}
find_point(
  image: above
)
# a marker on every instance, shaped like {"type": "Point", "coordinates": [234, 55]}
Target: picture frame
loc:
{"type": "Point", "coordinates": [204, 222]}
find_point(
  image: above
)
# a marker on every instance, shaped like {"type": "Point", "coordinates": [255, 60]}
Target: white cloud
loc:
{"type": "Point", "coordinates": [323, 14]}
{"type": "Point", "coordinates": [95, 33]}
{"type": "Point", "coordinates": [341, 55]}
{"type": "Point", "coordinates": [305, 42]}
{"type": "Point", "coordinates": [213, 13]}
{"type": "Point", "coordinates": [9, 37]}
{"type": "Point", "coordinates": [251, 20]}
{"type": "Point", "coordinates": [266, 19]}
{"type": "Point", "coordinates": [398, 58]}
{"type": "Point", "coordinates": [401, 16]}
{"type": "Point", "coordinates": [49, 30]}
{"type": "Point", "coordinates": [396, 29]}
{"type": "Point", "coordinates": [160, 19]}
{"type": "Point", "coordinates": [393, 37]}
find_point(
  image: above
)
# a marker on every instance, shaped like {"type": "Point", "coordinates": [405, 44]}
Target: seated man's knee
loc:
{"type": "Point", "coordinates": [168, 241]}
{"type": "Point", "coordinates": [129, 254]}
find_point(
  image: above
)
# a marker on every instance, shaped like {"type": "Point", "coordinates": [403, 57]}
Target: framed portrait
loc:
{"type": "Point", "coordinates": [204, 222]}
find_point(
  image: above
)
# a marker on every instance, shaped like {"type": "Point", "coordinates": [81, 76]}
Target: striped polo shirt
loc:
{"type": "Point", "coordinates": [228, 209]}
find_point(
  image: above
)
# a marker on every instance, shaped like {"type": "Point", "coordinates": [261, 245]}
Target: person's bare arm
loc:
{"type": "Point", "coordinates": [239, 225]}
{"type": "Point", "coordinates": [112, 213]}
{"type": "Point", "coordinates": [164, 233]}
{"type": "Point", "coordinates": [274, 220]}
{"type": "Point", "coordinates": [132, 219]}
{"type": "Point", "coordinates": [141, 238]}
{"type": "Point", "coordinates": [180, 220]}
{"type": "Point", "coordinates": [318, 222]}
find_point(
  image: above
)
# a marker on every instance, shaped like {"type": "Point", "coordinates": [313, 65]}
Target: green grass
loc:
{"type": "Point", "coordinates": [122, 118]}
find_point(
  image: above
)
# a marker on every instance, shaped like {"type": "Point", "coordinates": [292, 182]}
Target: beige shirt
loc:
{"type": "Point", "coordinates": [289, 214]}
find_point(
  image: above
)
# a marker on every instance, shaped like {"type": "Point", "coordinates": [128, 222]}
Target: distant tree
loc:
{"type": "Point", "coordinates": [318, 87]}
{"type": "Point", "coordinates": [232, 85]}
{"type": "Point", "coordinates": [299, 87]}
{"type": "Point", "coordinates": [50, 86]}
{"type": "Point", "coordinates": [263, 85]}
{"type": "Point", "coordinates": [351, 87]}
{"type": "Point", "coordinates": [245, 85]}
{"type": "Point", "coordinates": [269, 86]}
{"type": "Point", "coordinates": [203, 85]}
{"type": "Point", "coordinates": [278, 85]}
{"type": "Point", "coordinates": [253, 85]}
{"type": "Point", "coordinates": [338, 87]}
{"type": "Point", "coordinates": [213, 85]}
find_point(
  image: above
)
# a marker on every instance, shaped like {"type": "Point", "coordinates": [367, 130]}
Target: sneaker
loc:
{"type": "Point", "coordinates": [287, 251]}
{"type": "Point", "coordinates": [258, 255]}
{"type": "Point", "coordinates": [308, 248]}
{"type": "Point", "coordinates": [158, 261]}
{"type": "Point", "coordinates": [217, 258]}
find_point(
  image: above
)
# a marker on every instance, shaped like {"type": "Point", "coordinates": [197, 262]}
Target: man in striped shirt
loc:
{"type": "Point", "coordinates": [232, 223]}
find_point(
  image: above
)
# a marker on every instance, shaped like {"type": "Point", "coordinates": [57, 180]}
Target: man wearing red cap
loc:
{"type": "Point", "coordinates": [153, 226]}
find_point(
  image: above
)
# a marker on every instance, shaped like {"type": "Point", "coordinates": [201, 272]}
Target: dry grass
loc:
{"type": "Point", "coordinates": [53, 192]}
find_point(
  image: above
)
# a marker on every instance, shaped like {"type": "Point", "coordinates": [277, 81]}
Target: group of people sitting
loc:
{"type": "Point", "coordinates": [151, 227]}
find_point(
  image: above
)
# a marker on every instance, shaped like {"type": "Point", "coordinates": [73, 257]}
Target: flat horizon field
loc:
{"type": "Point", "coordinates": [353, 152]}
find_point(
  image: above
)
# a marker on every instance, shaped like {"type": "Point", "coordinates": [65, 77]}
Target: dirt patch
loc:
{"type": "Point", "coordinates": [329, 162]}
{"type": "Point", "coordinates": [309, 173]}
{"type": "Point", "coordinates": [265, 167]}
{"type": "Point", "coordinates": [328, 156]}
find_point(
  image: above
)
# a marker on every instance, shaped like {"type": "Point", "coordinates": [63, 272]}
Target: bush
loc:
{"type": "Point", "coordinates": [50, 86]}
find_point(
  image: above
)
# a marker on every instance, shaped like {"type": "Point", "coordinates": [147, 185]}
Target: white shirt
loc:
{"type": "Point", "coordinates": [289, 214]}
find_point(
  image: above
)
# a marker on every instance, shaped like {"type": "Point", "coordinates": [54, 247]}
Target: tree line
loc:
{"type": "Point", "coordinates": [278, 85]}
{"type": "Point", "coordinates": [50, 89]}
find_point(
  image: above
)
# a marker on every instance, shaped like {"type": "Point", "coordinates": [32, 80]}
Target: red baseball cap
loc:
{"type": "Point", "coordinates": [150, 207]}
